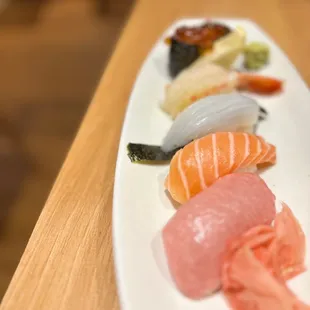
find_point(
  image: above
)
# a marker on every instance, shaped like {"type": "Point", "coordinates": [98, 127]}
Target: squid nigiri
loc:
{"type": "Point", "coordinates": [226, 112]}
{"type": "Point", "coordinates": [203, 79]}
{"type": "Point", "coordinates": [203, 161]}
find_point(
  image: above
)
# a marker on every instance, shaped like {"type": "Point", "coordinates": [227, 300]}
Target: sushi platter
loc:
{"type": "Point", "coordinates": [211, 202]}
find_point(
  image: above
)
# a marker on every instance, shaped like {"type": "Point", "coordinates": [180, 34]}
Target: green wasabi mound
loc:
{"type": "Point", "coordinates": [256, 55]}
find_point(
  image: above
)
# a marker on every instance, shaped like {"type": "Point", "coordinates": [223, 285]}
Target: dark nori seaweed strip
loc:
{"type": "Point", "coordinates": [143, 153]}
{"type": "Point", "coordinates": [263, 110]}
{"type": "Point", "coordinates": [181, 56]}
{"type": "Point", "coordinates": [262, 113]}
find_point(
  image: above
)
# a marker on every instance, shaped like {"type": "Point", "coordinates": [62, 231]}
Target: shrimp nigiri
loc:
{"type": "Point", "coordinates": [203, 79]}
{"type": "Point", "coordinates": [201, 162]}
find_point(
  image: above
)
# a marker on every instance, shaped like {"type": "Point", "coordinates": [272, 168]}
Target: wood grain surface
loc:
{"type": "Point", "coordinates": [68, 261]}
{"type": "Point", "coordinates": [49, 72]}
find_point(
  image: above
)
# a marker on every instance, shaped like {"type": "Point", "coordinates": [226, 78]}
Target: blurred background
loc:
{"type": "Point", "coordinates": [52, 54]}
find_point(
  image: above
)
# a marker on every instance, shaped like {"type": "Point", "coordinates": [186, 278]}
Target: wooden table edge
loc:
{"type": "Point", "coordinates": [15, 297]}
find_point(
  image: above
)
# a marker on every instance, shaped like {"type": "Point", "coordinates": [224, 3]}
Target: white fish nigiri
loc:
{"type": "Point", "coordinates": [226, 112]}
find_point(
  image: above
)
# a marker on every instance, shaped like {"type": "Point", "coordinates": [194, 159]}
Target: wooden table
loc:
{"type": "Point", "coordinates": [68, 261]}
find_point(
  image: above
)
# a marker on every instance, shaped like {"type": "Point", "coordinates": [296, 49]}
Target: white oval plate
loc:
{"type": "Point", "coordinates": [141, 208]}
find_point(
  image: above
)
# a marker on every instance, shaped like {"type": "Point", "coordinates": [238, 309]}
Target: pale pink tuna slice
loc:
{"type": "Point", "coordinates": [195, 238]}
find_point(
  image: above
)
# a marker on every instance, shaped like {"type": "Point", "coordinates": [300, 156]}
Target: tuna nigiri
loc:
{"type": "Point", "coordinates": [195, 238]}
{"type": "Point", "coordinates": [203, 79]}
{"type": "Point", "coordinates": [257, 263]}
{"type": "Point", "coordinates": [204, 160]}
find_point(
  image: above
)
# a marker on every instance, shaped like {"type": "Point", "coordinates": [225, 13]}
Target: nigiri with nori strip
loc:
{"type": "Point", "coordinates": [188, 43]}
{"type": "Point", "coordinates": [226, 112]}
{"type": "Point", "coordinates": [200, 163]}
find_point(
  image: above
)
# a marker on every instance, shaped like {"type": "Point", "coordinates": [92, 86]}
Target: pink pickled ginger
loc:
{"type": "Point", "coordinates": [257, 264]}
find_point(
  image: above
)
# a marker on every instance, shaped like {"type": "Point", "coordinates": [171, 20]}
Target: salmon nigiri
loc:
{"type": "Point", "coordinates": [204, 160]}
